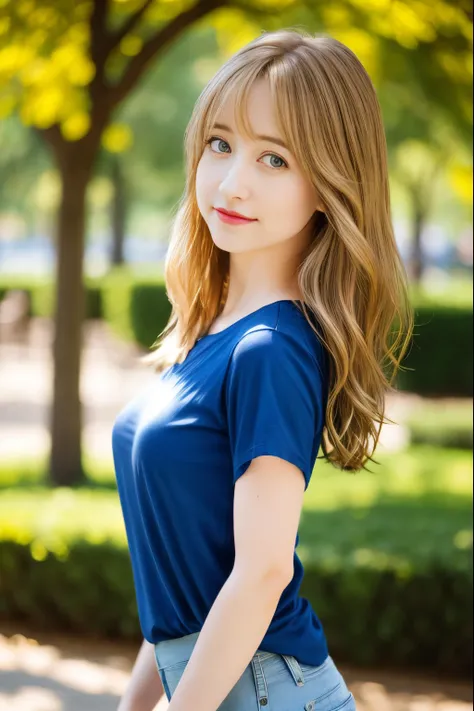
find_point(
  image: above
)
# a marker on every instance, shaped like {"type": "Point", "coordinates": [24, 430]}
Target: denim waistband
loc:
{"type": "Point", "coordinates": [173, 651]}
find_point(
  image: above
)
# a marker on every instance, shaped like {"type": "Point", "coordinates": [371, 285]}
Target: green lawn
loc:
{"type": "Point", "coordinates": [412, 508]}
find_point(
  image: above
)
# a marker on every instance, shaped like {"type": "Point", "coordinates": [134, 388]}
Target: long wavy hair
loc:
{"type": "Point", "coordinates": [352, 278]}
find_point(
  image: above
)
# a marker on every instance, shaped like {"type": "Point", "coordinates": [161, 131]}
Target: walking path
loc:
{"type": "Point", "coordinates": [110, 376]}
{"type": "Point", "coordinates": [50, 672]}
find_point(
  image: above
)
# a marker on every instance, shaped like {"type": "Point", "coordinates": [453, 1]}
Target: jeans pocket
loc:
{"type": "Point", "coordinates": [327, 687]}
{"type": "Point", "coordinates": [309, 672]}
{"type": "Point", "coordinates": [329, 703]}
{"type": "Point", "coordinates": [348, 704]}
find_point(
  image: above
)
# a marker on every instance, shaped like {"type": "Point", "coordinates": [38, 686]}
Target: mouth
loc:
{"type": "Point", "coordinates": [234, 215]}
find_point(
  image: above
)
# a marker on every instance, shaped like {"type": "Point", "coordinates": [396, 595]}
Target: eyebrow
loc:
{"type": "Point", "coordinates": [272, 139]}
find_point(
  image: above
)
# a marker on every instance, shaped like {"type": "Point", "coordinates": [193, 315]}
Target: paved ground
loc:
{"type": "Point", "coordinates": [46, 672]}
{"type": "Point", "coordinates": [110, 376]}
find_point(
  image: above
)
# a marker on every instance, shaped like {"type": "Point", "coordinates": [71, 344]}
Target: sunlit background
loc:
{"type": "Point", "coordinates": [93, 108]}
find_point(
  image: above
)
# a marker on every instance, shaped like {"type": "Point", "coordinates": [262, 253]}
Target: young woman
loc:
{"type": "Point", "coordinates": [277, 343]}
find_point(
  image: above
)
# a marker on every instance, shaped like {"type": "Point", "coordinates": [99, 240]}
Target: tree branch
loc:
{"type": "Point", "coordinates": [156, 44]}
{"type": "Point", "coordinates": [98, 28]}
{"type": "Point", "coordinates": [98, 49]}
{"type": "Point", "coordinates": [127, 26]}
{"type": "Point", "coordinates": [255, 12]}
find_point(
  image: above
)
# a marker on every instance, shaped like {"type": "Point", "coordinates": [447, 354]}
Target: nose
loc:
{"type": "Point", "coordinates": [235, 181]}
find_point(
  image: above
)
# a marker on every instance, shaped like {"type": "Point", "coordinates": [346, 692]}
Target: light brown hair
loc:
{"type": "Point", "coordinates": [352, 277]}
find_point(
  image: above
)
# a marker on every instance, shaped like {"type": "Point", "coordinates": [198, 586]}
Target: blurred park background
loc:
{"type": "Point", "coordinates": [95, 96]}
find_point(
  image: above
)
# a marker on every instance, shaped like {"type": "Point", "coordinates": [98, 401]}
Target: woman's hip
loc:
{"type": "Point", "coordinates": [277, 682]}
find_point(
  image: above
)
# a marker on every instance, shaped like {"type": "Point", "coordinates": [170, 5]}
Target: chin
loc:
{"type": "Point", "coordinates": [228, 243]}
{"type": "Point", "coordinates": [222, 242]}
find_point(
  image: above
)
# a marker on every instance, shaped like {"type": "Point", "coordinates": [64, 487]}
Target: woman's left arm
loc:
{"type": "Point", "coordinates": [267, 507]}
{"type": "Point", "coordinates": [230, 636]}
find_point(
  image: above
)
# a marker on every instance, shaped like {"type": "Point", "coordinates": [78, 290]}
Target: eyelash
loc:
{"type": "Point", "coordinates": [281, 167]}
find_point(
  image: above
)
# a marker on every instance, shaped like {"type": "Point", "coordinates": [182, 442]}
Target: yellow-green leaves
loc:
{"type": "Point", "coordinates": [117, 138]}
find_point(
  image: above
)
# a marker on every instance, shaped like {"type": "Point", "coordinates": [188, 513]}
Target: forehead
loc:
{"type": "Point", "coordinates": [252, 114]}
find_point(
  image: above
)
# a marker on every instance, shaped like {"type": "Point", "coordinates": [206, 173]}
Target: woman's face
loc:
{"type": "Point", "coordinates": [259, 179]}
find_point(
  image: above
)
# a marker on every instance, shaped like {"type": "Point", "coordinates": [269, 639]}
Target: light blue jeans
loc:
{"type": "Point", "coordinates": [276, 681]}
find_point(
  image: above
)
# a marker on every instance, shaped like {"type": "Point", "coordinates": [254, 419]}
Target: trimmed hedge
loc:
{"type": "Point", "coordinates": [442, 424]}
{"type": "Point", "coordinates": [371, 615]}
{"type": "Point", "coordinates": [136, 308]}
{"type": "Point", "coordinates": [439, 361]}
{"type": "Point", "coordinates": [40, 294]}
{"type": "Point", "coordinates": [387, 558]}
{"type": "Point", "coordinates": [440, 357]}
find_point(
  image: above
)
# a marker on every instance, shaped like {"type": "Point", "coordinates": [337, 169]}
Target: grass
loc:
{"type": "Point", "coordinates": [455, 290]}
{"type": "Point", "coordinates": [442, 422]}
{"type": "Point", "coordinates": [419, 470]}
{"type": "Point", "coordinates": [415, 507]}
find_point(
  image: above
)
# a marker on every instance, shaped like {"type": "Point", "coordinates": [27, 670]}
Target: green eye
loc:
{"type": "Point", "coordinates": [273, 155]}
{"type": "Point", "coordinates": [216, 138]}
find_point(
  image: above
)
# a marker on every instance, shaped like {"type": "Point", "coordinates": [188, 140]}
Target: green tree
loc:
{"type": "Point", "coordinates": [149, 176]}
{"type": "Point", "coordinates": [67, 67]}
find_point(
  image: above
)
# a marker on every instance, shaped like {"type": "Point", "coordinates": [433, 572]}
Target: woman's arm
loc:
{"type": "Point", "coordinates": [267, 507]}
{"type": "Point", "coordinates": [231, 634]}
{"type": "Point", "coordinates": [145, 689]}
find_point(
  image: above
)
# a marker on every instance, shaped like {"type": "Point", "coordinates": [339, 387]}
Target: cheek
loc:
{"type": "Point", "coordinates": [304, 197]}
{"type": "Point", "coordinates": [207, 178]}
{"type": "Point", "coordinates": [289, 206]}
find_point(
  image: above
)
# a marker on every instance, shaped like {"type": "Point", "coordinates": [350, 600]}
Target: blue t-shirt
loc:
{"type": "Point", "coordinates": [257, 387]}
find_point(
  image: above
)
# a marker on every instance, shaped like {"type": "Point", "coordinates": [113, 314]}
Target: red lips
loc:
{"type": "Point", "coordinates": [232, 213]}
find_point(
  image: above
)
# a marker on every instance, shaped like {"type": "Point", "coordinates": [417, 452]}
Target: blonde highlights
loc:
{"type": "Point", "coordinates": [352, 277]}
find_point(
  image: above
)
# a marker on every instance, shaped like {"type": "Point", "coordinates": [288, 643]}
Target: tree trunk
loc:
{"type": "Point", "coordinates": [66, 416]}
{"type": "Point", "coordinates": [118, 212]}
{"type": "Point", "coordinates": [75, 161]}
{"type": "Point", "coordinates": [417, 263]}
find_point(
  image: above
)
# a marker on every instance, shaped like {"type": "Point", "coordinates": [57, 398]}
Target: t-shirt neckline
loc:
{"type": "Point", "coordinates": [243, 318]}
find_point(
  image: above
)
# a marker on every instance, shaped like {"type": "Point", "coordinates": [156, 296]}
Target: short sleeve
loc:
{"type": "Point", "coordinates": [274, 400]}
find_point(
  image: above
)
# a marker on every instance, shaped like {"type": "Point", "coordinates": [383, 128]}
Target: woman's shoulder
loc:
{"type": "Point", "coordinates": [304, 327]}
{"type": "Point", "coordinates": [284, 335]}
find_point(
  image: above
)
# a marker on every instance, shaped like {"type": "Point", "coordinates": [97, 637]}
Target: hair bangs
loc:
{"type": "Point", "coordinates": [234, 91]}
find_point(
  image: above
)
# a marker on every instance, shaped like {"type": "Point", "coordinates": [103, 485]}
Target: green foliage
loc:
{"type": "Point", "coordinates": [438, 362]}
{"type": "Point", "coordinates": [135, 307]}
{"type": "Point", "coordinates": [440, 356]}
{"type": "Point", "coordinates": [51, 57]}
{"type": "Point", "coordinates": [377, 617]}
{"type": "Point", "coordinates": [157, 113]}
{"type": "Point", "coordinates": [149, 310]}
{"type": "Point", "coordinates": [387, 559]}
{"type": "Point", "coordinates": [23, 158]}
{"type": "Point", "coordinates": [442, 337]}
{"type": "Point", "coordinates": [40, 292]}
{"type": "Point", "coordinates": [443, 424]}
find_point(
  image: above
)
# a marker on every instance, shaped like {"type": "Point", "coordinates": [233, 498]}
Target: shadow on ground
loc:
{"type": "Point", "coordinates": [52, 672]}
